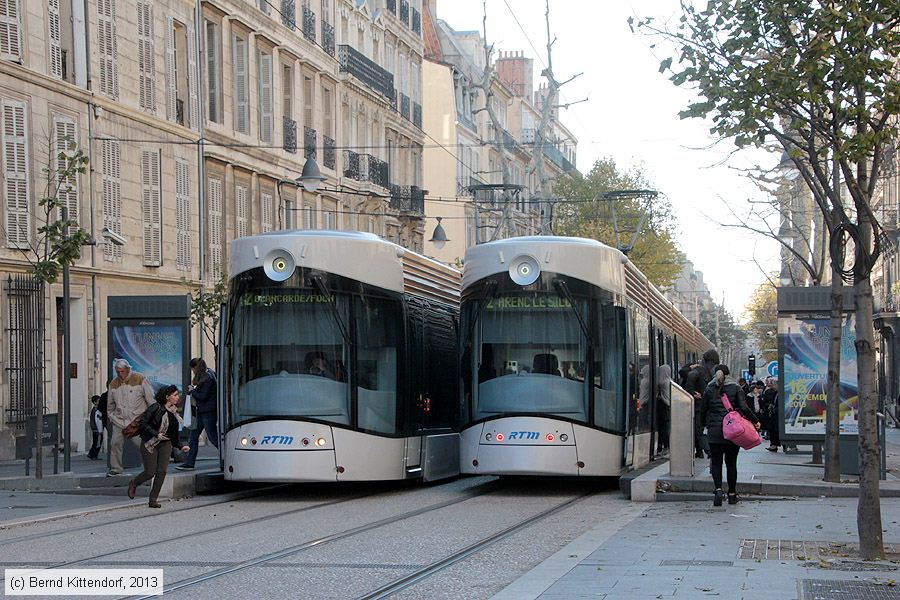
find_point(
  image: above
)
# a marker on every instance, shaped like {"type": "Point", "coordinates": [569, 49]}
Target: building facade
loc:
{"type": "Point", "coordinates": [197, 118]}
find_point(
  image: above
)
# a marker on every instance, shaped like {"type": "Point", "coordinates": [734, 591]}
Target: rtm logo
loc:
{"type": "Point", "coordinates": [284, 440]}
{"type": "Point", "coordinates": [524, 435]}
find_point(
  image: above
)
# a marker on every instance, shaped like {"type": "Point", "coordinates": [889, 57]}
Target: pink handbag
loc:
{"type": "Point", "coordinates": [737, 429]}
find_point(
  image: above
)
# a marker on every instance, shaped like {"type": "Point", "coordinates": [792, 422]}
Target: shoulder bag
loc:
{"type": "Point", "coordinates": [738, 429]}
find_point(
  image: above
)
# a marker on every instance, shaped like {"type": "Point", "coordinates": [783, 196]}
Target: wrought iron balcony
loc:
{"type": "Point", "coordinates": [393, 97]}
{"type": "Point", "coordinates": [461, 188]}
{"type": "Point", "coordinates": [378, 172]}
{"type": "Point", "coordinates": [505, 139]}
{"type": "Point", "coordinates": [466, 121]}
{"type": "Point", "coordinates": [328, 37]}
{"type": "Point", "coordinates": [528, 136]}
{"type": "Point", "coordinates": [351, 164]}
{"type": "Point", "coordinates": [417, 200]}
{"type": "Point", "coordinates": [329, 152]}
{"type": "Point", "coordinates": [417, 114]}
{"type": "Point", "coordinates": [404, 12]}
{"type": "Point", "coordinates": [357, 64]}
{"type": "Point", "coordinates": [556, 157]}
{"type": "Point", "coordinates": [309, 24]}
{"type": "Point", "coordinates": [364, 167]}
{"type": "Point", "coordinates": [392, 6]}
{"type": "Point", "coordinates": [289, 134]}
{"type": "Point", "coordinates": [416, 21]}
{"type": "Point", "coordinates": [408, 198]}
{"type": "Point", "coordinates": [288, 14]}
{"type": "Point", "coordinates": [404, 106]}
{"type": "Point", "coordinates": [309, 142]}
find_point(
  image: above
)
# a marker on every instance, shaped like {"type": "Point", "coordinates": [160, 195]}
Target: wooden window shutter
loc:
{"type": "Point", "coordinates": [150, 208]}
{"type": "Point", "coordinates": [146, 57]}
{"type": "Point", "coordinates": [10, 30]}
{"type": "Point", "coordinates": [193, 93]}
{"type": "Point", "coordinates": [241, 103]}
{"type": "Point", "coordinates": [266, 109]}
{"type": "Point", "coordinates": [54, 38]}
{"type": "Point", "coordinates": [65, 138]}
{"type": "Point", "coordinates": [16, 174]}
{"type": "Point", "coordinates": [213, 63]}
{"type": "Point", "coordinates": [106, 25]}
{"type": "Point", "coordinates": [241, 208]}
{"type": "Point", "coordinates": [183, 215]}
{"type": "Point", "coordinates": [216, 231]}
{"type": "Point", "coordinates": [112, 196]}
{"type": "Point", "coordinates": [171, 82]}
{"type": "Point", "coordinates": [267, 200]}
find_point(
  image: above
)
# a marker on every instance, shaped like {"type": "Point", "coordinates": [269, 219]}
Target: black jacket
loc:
{"type": "Point", "coordinates": [152, 419]}
{"type": "Point", "coordinates": [713, 411]}
{"type": "Point", "coordinates": [697, 379]}
{"type": "Point", "coordinates": [205, 394]}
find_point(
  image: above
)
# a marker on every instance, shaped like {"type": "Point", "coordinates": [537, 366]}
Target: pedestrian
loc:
{"type": "Point", "coordinates": [203, 390]}
{"type": "Point", "coordinates": [158, 434]}
{"type": "Point", "coordinates": [130, 394]}
{"type": "Point", "coordinates": [742, 383]}
{"type": "Point", "coordinates": [712, 412]}
{"type": "Point", "coordinates": [663, 406]}
{"type": "Point", "coordinates": [773, 412]}
{"type": "Point", "coordinates": [695, 385]}
{"type": "Point", "coordinates": [96, 419]}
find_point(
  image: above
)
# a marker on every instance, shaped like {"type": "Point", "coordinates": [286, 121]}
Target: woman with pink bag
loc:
{"type": "Point", "coordinates": [712, 412]}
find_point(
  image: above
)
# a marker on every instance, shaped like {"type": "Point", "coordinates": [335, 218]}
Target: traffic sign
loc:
{"type": "Point", "coordinates": [772, 368]}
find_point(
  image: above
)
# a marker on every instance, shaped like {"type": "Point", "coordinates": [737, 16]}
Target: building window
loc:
{"type": "Point", "coordinates": [327, 112]}
{"type": "Point", "coordinates": [181, 74]}
{"type": "Point", "coordinates": [308, 102]}
{"type": "Point", "coordinates": [290, 208]}
{"type": "Point", "coordinates": [65, 137]}
{"type": "Point", "coordinates": [267, 200]}
{"type": "Point", "coordinates": [266, 101]}
{"type": "Point", "coordinates": [182, 215]}
{"type": "Point", "coordinates": [106, 27]}
{"type": "Point", "coordinates": [112, 196]}
{"type": "Point", "coordinates": [10, 28]}
{"type": "Point", "coordinates": [241, 100]}
{"type": "Point", "coordinates": [215, 208]}
{"type": "Point", "coordinates": [146, 57]}
{"type": "Point", "coordinates": [213, 72]}
{"type": "Point", "coordinates": [150, 208]}
{"type": "Point", "coordinates": [241, 210]}
{"type": "Point", "coordinates": [17, 181]}
{"type": "Point", "coordinates": [309, 217]}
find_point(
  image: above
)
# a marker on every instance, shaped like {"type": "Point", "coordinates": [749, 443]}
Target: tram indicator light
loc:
{"type": "Point", "coordinates": [550, 437]}
{"type": "Point", "coordinates": [499, 437]}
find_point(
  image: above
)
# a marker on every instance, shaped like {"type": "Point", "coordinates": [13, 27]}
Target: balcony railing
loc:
{"type": "Point", "coordinates": [329, 151]}
{"type": "Point", "coordinates": [364, 167]}
{"type": "Point", "coordinates": [392, 6]}
{"type": "Point", "coordinates": [506, 140]}
{"type": "Point", "coordinates": [417, 200]}
{"type": "Point", "coordinates": [288, 14]}
{"type": "Point", "coordinates": [466, 121]}
{"type": "Point", "coordinates": [417, 115]}
{"type": "Point", "coordinates": [309, 24]}
{"type": "Point", "coordinates": [404, 106]}
{"type": "Point", "coordinates": [378, 172]}
{"type": "Point", "coordinates": [408, 198]}
{"type": "Point", "coordinates": [416, 21]}
{"type": "Point", "coordinates": [309, 142]}
{"type": "Point", "coordinates": [289, 134]}
{"type": "Point", "coordinates": [393, 98]}
{"type": "Point", "coordinates": [404, 12]}
{"type": "Point", "coordinates": [528, 136]}
{"type": "Point", "coordinates": [357, 64]}
{"type": "Point", "coordinates": [351, 164]}
{"type": "Point", "coordinates": [328, 37]}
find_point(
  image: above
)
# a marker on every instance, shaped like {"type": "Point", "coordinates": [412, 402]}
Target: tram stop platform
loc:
{"type": "Point", "coordinates": [763, 474]}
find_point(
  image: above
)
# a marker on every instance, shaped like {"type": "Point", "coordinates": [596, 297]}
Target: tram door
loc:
{"type": "Point", "coordinates": [631, 392]}
{"type": "Point", "coordinates": [416, 377]}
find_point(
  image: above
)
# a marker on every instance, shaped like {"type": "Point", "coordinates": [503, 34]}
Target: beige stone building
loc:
{"type": "Point", "coordinates": [198, 118]}
{"type": "Point", "coordinates": [467, 156]}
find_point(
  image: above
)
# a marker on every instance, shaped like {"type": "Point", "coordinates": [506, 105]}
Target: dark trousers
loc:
{"type": "Point", "coordinates": [729, 452]}
{"type": "Point", "coordinates": [96, 443]}
{"type": "Point", "coordinates": [774, 436]}
{"type": "Point", "coordinates": [207, 421]}
{"type": "Point", "coordinates": [662, 424]}
{"type": "Point", "coordinates": [701, 444]}
{"type": "Point", "coordinates": [156, 464]}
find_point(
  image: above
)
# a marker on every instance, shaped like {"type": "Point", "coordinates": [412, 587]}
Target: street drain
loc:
{"type": "Point", "coordinates": [836, 589]}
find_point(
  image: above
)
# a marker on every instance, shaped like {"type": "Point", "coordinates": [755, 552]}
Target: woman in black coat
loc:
{"type": "Point", "coordinates": [712, 412]}
{"type": "Point", "coordinates": [159, 431]}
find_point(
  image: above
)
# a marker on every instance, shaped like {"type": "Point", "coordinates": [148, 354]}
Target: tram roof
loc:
{"type": "Point", "coordinates": [581, 258]}
{"type": "Point", "coordinates": [356, 255]}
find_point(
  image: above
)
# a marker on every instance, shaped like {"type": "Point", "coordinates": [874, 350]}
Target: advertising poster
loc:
{"type": "Point", "coordinates": [805, 374]}
{"type": "Point", "coordinates": [156, 349]}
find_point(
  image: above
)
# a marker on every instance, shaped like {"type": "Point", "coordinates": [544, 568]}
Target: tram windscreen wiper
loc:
{"type": "Point", "coordinates": [563, 289]}
{"type": "Point", "coordinates": [320, 285]}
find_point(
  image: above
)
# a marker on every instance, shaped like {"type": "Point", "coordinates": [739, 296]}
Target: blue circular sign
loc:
{"type": "Point", "coordinates": [772, 368]}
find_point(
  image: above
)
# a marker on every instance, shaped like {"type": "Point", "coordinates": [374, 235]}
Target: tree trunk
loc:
{"type": "Point", "coordinates": [833, 398]}
{"type": "Point", "coordinates": [868, 512]}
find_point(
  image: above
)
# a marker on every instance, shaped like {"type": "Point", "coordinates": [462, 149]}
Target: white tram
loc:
{"type": "Point", "coordinates": [338, 360]}
{"type": "Point", "coordinates": [563, 340]}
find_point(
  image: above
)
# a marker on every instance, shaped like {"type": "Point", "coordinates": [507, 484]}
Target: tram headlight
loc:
{"type": "Point", "coordinates": [563, 437]}
{"type": "Point", "coordinates": [524, 270]}
{"type": "Point", "coordinates": [279, 265]}
{"type": "Point", "coordinates": [244, 441]}
{"type": "Point", "coordinates": [320, 442]}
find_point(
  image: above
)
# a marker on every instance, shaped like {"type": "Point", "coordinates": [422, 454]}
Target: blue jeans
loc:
{"type": "Point", "coordinates": [209, 422]}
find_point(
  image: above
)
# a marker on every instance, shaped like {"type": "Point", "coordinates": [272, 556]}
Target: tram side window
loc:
{"type": "Point", "coordinates": [609, 355]}
{"type": "Point", "coordinates": [377, 324]}
{"type": "Point", "coordinates": [643, 372]}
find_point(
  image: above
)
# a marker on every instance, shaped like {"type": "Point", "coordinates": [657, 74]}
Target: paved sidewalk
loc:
{"type": "Point", "coordinates": [773, 550]}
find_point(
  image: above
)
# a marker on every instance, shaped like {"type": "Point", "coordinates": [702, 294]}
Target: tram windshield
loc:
{"type": "Point", "coordinates": [291, 357]}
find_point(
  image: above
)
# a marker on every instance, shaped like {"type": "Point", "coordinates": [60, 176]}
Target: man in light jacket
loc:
{"type": "Point", "coordinates": [130, 393]}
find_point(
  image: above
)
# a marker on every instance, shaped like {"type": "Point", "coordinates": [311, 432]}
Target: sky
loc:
{"type": "Point", "coordinates": [631, 115]}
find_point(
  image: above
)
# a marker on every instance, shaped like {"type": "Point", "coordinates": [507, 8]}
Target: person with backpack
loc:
{"type": "Point", "coordinates": [695, 385]}
{"type": "Point", "coordinates": [203, 390]}
{"type": "Point", "coordinates": [712, 413]}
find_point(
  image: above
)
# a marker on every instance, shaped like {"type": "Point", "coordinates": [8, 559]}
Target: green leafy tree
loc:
{"type": "Point", "coordinates": [205, 310]}
{"type": "Point", "coordinates": [820, 78]}
{"type": "Point", "coordinates": [761, 311]}
{"type": "Point", "coordinates": [588, 215]}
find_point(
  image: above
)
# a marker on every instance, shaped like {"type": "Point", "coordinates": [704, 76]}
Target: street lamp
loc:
{"type": "Point", "coordinates": [311, 177]}
{"type": "Point", "coordinates": [439, 236]}
{"type": "Point", "coordinates": [110, 237]}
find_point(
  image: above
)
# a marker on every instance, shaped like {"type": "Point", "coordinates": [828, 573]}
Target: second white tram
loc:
{"type": "Point", "coordinates": [338, 360]}
{"type": "Point", "coordinates": [563, 341]}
